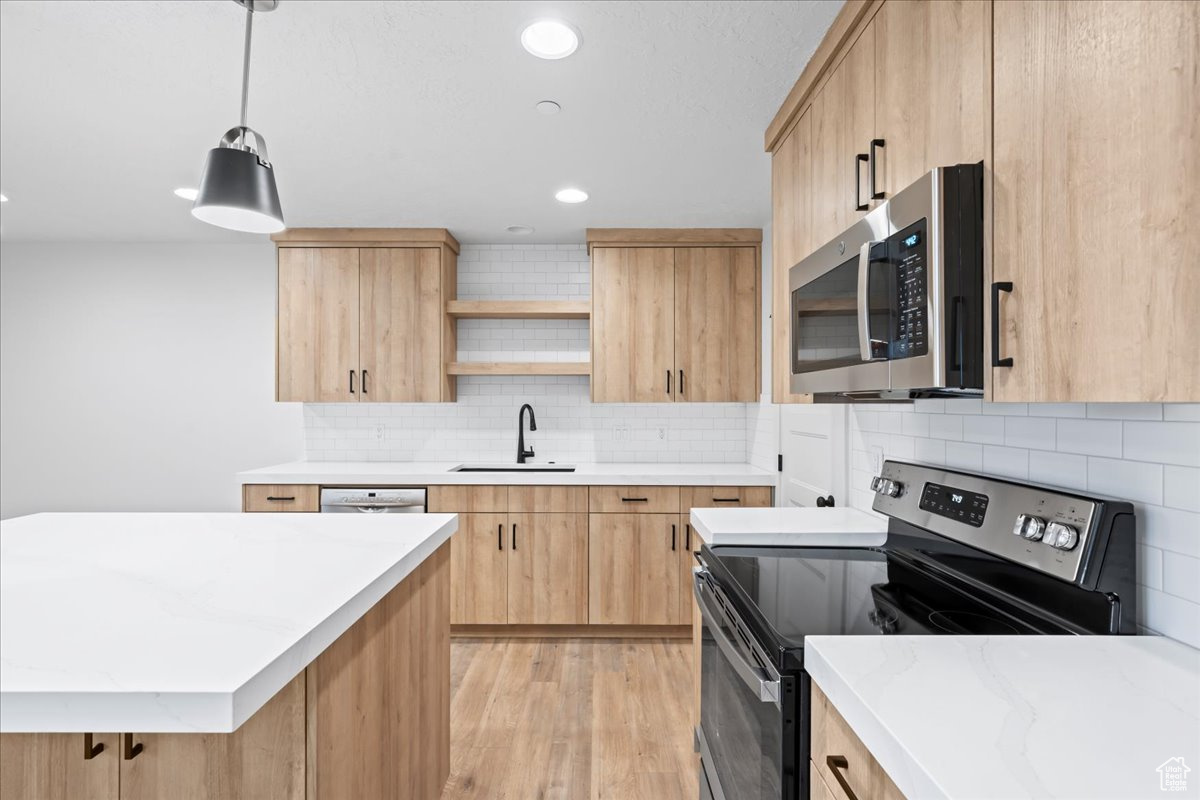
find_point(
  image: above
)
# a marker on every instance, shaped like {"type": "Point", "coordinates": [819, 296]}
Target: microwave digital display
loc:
{"type": "Point", "coordinates": [911, 337]}
{"type": "Point", "coordinates": [912, 240]}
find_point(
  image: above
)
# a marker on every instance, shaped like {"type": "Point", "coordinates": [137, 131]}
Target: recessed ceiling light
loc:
{"type": "Point", "coordinates": [570, 195]}
{"type": "Point", "coordinates": [187, 192]}
{"type": "Point", "coordinates": [520, 230]}
{"type": "Point", "coordinates": [550, 38]}
{"type": "Point", "coordinates": [548, 107]}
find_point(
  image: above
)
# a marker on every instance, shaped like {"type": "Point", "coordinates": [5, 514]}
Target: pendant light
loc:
{"type": "Point", "coordinates": [237, 187]}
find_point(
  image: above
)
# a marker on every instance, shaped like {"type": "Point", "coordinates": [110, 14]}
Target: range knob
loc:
{"type": "Point", "coordinates": [1064, 537]}
{"type": "Point", "coordinates": [1029, 527]}
{"type": "Point", "coordinates": [887, 487]}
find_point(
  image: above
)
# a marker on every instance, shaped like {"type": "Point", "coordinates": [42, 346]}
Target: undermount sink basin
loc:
{"type": "Point", "coordinates": [514, 468]}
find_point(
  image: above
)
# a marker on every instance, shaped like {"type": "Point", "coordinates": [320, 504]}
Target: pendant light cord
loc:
{"type": "Point", "coordinates": [246, 63]}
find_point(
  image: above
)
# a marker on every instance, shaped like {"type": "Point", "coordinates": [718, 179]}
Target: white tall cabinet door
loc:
{"type": "Point", "coordinates": [813, 444]}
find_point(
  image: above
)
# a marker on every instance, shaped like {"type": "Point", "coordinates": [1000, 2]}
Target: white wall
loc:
{"type": "Point", "coordinates": [137, 376]}
{"type": "Point", "coordinates": [1146, 453]}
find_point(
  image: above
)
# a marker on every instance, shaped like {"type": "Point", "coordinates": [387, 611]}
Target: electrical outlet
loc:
{"type": "Point", "coordinates": [380, 432]}
{"type": "Point", "coordinates": [662, 432]}
{"type": "Point", "coordinates": [621, 433]}
{"type": "Point", "coordinates": [876, 459]}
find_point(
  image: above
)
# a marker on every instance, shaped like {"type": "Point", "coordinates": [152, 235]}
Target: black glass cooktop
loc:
{"type": "Point", "coordinates": [785, 594]}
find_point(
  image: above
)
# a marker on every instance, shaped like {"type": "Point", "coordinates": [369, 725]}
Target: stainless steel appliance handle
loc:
{"type": "Point", "coordinates": [756, 678]}
{"type": "Point", "coordinates": [864, 311]}
{"type": "Point", "coordinates": [374, 505]}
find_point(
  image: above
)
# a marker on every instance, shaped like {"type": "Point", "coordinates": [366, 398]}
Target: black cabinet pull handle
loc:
{"type": "Point", "coordinates": [836, 764]}
{"type": "Point", "coordinates": [681, 392]}
{"type": "Point", "coordinates": [274, 499]}
{"type": "Point", "coordinates": [674, 531]}
{"type": "Point", "coordinates": [668, 381]}
{"type": "Point", "coordinates": [90, 750]}
{"type": "Point", "coordinates": [859, 205]}
{"type": "Point", "coordinates": [514, 536]}
{"type": "Point", "coordinates": [727, 499]}
{"type": "Point", "coordinates": [875, 193]}
{"type": "Point", "coordinates": [997, 288]}
{"type": "Point", "coordinates": [635, 499]}
{"type": "Point", "coordinates": [364, 381]}
{"type": "Point", "coordinates": [129, 750]}
{"type": "Point", "coordinates": [500, 536]}
{"type": "Point", "coordinates": [351, 381]}
{"type": "Point", "coordinates": [825, 502]}
{"type": "Point", "coordinates": [688, 541]}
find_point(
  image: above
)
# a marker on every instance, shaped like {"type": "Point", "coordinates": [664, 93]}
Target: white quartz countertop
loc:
{"type": "Point", "coordinates": [1018, 716]}
{"type": "Point", "coordinates": [161, 623]}
{"type": "Point", "coordinates": [789, 527]}
{"type": "Point", "coordinates": [426, 473]}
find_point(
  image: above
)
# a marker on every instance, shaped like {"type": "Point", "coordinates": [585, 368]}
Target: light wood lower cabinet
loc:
{"type": "Point", "coordinates": [548, 569]}
{"type": "Point", "coordinates": [281, 497]}
{"type": "Point", "coordinates": [841, 760]}
{"type": "Point", "coordinates": [479, 570]}
{"type": "Point", "coordinates": [370, 717]}
{"type": "Point", "coordinates": [634, 569]}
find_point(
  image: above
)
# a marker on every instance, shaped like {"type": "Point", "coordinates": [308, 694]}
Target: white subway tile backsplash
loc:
{"type": "Point", "coordinates": [1145, 453]}
{"type": "Point", "coordinates": [1089, 437]}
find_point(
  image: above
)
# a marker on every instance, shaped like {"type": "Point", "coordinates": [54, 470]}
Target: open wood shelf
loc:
{"type": "Point", "coordinates": [519, 309]}
{"type": "Point", "coordinates": [519, 368]}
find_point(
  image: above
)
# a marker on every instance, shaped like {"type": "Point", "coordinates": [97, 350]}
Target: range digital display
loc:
{"type": "Point", "coordinates": [956, 504]}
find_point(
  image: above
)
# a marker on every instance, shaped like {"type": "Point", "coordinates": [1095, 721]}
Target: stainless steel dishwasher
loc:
{"type": "Point", "coordinates": [372, 501]}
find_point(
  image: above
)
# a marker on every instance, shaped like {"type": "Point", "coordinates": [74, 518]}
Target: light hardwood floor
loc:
{"type": "Point", "coordinates": [571, 719]}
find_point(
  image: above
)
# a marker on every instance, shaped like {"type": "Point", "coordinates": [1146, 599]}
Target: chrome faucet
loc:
{"type": "Point", "coordinates": [522, 453]}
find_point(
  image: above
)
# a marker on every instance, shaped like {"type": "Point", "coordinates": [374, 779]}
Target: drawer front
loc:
{"type": "Point", "coordinates": [817, 789]}
{"type": "Point", "coordinates": [725, 497]}
{"type": "Point", "coordinates": [468, 499]}
{"type": "Point", "coordinates": [633, 499]}
{"type": "Point", "coordinates": [548, 499]}
{"type": "Point", "coordinates": [843, 761]}
{"type": "Point", "coordinates": [281, 497]}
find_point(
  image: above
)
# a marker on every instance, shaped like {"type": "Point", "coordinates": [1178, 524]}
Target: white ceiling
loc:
{"type": "Point", "coordinates": [395, 113]}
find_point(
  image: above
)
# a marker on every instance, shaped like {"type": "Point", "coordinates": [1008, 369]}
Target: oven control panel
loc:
{"type": "Point", "coordinates": [962, 505]}
{"type": "Point", "coordinates": [908, 252]}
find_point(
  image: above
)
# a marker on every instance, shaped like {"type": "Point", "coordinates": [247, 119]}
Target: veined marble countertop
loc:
{"type": "Point", "coordinates": [1011, 717]}
{"type": "Point", "coordinates": [789, 527]}
{"type": "Point", "coordinates": [183, 623]}
{"type": "Point", "coordinates": [427, 473]}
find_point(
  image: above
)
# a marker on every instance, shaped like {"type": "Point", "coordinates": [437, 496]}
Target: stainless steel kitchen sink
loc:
{"type": "Point", "coordinates": [514, 468]}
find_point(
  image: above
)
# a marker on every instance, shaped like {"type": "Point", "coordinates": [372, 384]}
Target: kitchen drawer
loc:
{"type": "Point", "coordinates": [817, 789]}
{"type": "Point", "coordinates": [725, 497]}
{"type": "Point", "coordinates": [834, 741]}
{"type": "Point", "coordinates": [468, 499]}
{"type": "Point", "coordinates": [281, 497]}
{"type": "Point", "coordinates": [548, 499]}
{"type": "Point", "coordinates": [633, 499]}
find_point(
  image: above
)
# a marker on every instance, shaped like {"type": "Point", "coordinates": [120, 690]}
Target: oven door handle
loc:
{"type": "Point", "coordinates": [756, 678]}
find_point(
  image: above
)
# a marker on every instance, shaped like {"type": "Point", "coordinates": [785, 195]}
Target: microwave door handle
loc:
{"type": "Point", "coordinates": [766, 686]}
{"type": "Point", "coordinates": [864, 312]}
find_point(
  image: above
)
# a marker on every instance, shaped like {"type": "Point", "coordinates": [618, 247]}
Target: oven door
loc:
{"type": "Point", "coordinates": [843, 312]}
{"type": "Point", "coordinates": [747, 714]}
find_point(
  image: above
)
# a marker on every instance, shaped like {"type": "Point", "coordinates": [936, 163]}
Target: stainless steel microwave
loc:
{"type": "Point", "coordinates": [894, 306]}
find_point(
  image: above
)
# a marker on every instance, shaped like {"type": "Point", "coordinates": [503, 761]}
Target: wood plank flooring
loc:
{"type": "Point", "coordinates": [571, 719]}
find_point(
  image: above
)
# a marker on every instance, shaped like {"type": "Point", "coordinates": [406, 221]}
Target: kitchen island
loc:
{"type": "Point", "coordinates": [224, 655]}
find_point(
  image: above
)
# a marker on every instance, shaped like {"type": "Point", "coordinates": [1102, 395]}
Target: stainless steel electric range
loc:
{"type": "Point", "coordinates": [964, 554]}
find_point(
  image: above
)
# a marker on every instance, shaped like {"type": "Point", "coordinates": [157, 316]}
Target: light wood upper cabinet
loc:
{"type": "Point", "coordinates": [1096, 168]}
{"type": "Point", "coordinates": [318, 324]}
{"type": "Point", "coordinates": [716, 324]}
{"type": "Point", "coordinates": [932, 96]}
{"type": "Point", "coordinates": [548, 569]}
{"type": "Point", "coordinates": [400, 302]}
{"type": "Point", "coordinates": [791, 237]}
{"type": "Point", "coordinates": [634, 569]}
{"type": "Point", "coordinates": [633, 326]}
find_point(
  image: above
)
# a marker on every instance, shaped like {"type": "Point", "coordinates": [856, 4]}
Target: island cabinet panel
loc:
{"type": "Point", "coordinates": [52, 766]}
{"type": "Point", "coordinates": [281, 497]}
{"type": "Point", "coordinates": [548, 569]}
{"type": "Point", "coordinates": [633, 569]}
{"type": "Point", "coordinates": [400, 313]}
{"type": "Point", "coordinates": [318, 325]}
{"type": "Point", "coordinates": [842, 760]}
{"type": "Point", "coordinates": [265, 758]}
{"type": "Point", "coordinates": [379, 697]}
{"type": "Point", "coordinates": [1097, 160]}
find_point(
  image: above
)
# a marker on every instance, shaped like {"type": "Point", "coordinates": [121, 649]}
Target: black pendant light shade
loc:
{"type": "Point", "coordinates": [237, 189]}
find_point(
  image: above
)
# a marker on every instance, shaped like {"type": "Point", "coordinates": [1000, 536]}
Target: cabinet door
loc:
{"type": "Point", "coordinates": [264, 758]}
{"type": "Point", "coordinates": [716, 324]}
{"type": "Point", "coordinates": [400, 324]}
{"type": "Point", "coordinates": [843, 124]}
{"type": "Point", "coordinates": [633, 325]}
{"type": "Point", "coordinates": [548, 569]}
{"type": "Point", "coordinates": [689, 545]}
{"type": "Point", "coordinates": [1097, 160]}
{"type": "Point", "coordinates": [317, 348]}
{"type": "Point", "coordinates": [51, 766]}
{"type": "Point", "coordinates": [932, 98]}
{"type": "Point", "coordinates": [479, 570]}
{"type": "Point", "coordinates": [791, 238]}
{"type": "Point", "coordinates": [633, 569]}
